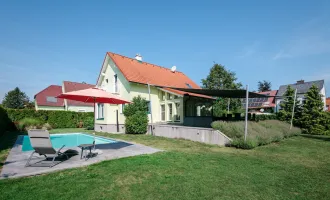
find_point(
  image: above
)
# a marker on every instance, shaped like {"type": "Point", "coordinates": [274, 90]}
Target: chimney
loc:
{"type": "Point", "coordinates": [138, 57]}
{"type": "Point", "coordinates": [300, 82]}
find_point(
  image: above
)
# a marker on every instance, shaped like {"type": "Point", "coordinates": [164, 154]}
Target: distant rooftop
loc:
{"type": "Point", "coordinates": [301, 86]}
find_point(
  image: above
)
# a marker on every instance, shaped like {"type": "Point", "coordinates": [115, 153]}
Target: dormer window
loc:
{"type": "Point", "coordinates": [188, 85]}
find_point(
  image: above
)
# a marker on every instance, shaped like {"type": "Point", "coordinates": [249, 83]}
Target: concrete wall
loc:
{"type": "Point", "coordinates": [198, 121]}
{"type": "Point", "coordinates": [204, 135]}
{"type": "Point", "coordinates": [109, 128]}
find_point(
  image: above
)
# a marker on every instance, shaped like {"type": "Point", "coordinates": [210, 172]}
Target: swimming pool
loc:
{"type": "Point", "coordinates": [69, 140]}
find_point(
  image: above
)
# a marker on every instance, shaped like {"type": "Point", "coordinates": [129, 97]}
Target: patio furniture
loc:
{"type": "Point", "coordinates": [41, 143]}
{"type": "Point", "coordinates": [85, 147]}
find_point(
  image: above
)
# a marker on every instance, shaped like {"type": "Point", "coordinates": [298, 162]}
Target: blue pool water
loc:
{"type": "Point", "coordinates": [69, 140]}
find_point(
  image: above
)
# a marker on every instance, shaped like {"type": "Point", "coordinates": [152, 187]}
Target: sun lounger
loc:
{"type": "Point", "coordinates": [41, 143]}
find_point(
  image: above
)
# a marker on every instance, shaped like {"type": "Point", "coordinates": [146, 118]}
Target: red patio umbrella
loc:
{"type": "Point", "coordinates": [93, 95]}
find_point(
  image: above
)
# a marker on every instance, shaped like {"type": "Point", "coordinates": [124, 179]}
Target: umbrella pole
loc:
{"type": "Point", "coordinates": [94, 124]}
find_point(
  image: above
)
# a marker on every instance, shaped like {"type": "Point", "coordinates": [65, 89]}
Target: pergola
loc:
{"type": "Point", "coordinates": [238, 94]}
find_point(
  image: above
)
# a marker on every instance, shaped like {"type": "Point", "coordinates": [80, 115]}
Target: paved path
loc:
{"type": "Point", "coordinates": [16, 160]}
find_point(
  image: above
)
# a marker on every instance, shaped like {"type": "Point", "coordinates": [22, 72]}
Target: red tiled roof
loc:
{"type": "Point", "coordinates": [328, 103]}
{"type": "Point", "coordinates": [50, 91]}
{"type": "Point", "coordinates": [73, 86]}
{"type": "Point", "coordinates": [187, 93]}
{"type": "Point", "coordinates": [143, 72]}
{"type": "Point", "coordinates": [270, 100]}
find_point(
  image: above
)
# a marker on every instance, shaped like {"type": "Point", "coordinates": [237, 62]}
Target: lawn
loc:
{"type": "Point", "coordinates": [295, 168]}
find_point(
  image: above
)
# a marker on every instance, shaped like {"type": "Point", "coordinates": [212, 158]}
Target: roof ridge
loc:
{"type": "Point", "coordinates": [146, 62]}
{"type": "Point", "coordinates": [303, 83]}
{"type": "Point", "coordinates": [79, 83]}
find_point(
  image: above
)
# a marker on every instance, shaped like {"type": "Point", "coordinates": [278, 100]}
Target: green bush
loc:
{"type": "Point", "coordinates": [136, 121]}
{"type": "Point", "coordinates": [239, 143]}
{"type": "Point", "coordinates": [47, 126]}
{"type": "Point", "coordinates": [5, 122]}
{"type": "Point", "coordinates": [259, 133]}
{"type": "Point", "coordinates": [56, 119]}
{"type": "Point", "coordinates": [263, 117]}
{"type": "Point", "coordinates": [89, 123]}
{"type": "Point", "coordinates": [29, 123]}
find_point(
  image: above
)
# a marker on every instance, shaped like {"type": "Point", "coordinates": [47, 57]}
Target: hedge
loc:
{"type": "Point", "coordinates": [5, 122]}
{"type": "Point", "coordinates": [57, 119]}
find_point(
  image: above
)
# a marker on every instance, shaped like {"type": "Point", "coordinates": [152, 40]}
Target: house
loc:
{"type": "Point", "coordinates": [129, 77]}
{"type": "Point", "coordinates": [328, 104]}
{"type": "Point", "coordinates": [266, 105]}
{"type": "Point", "coordinates": [302, 88]}
{"type": "Point", "coordinates": [46, 99]}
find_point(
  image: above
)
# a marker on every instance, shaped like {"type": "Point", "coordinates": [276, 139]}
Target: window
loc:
{"type": "Point", "coordinates": [177, 112]}
{"type": "Point", "coordinates": [51, 99]}
{"type": "Point", "coordinates": [188, 85]}
{"type": "Point", "coordinates": [115, 84]}
{"type": "Point", "coordinates": [100, 111]}
{"type": "Point", "coordinates": [169, 96]}
{"type": "Point", "coordinates": [163, 96]}
{"type": "Point", "coordinates": [149, 107]}
{"type": "Point", "coordinates": [162, 112]}
{"type": "Point", "coordinates": [170, 112]}
{"type": "Point", "coordinates": [176, 97]}
{"type": "Point", "coordinates": [122, 107]}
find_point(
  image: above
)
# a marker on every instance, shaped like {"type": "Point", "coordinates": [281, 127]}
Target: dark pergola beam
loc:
{"type": "Point", "coordinates": [222, 93]}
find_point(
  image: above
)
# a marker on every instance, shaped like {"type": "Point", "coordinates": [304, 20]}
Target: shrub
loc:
{"type": "Point", "coordinates": [263, 117]}
{"type": "Point", "coordinates": [259, 133]}
{"type": "Point", "coordinates": [29, 123]}
{"type": "Point", "coordinates": [47, 126]}
{"type": "Point", "coordinates": [239, 143]}
{"type": "Point", "coordinates": [5, 122]}
{"type": "Point", "coordinates": [57, 119]}
{"type": "Point", "coordinates": [89, 123]}
{"type": "Point", "coordinates": [137, 123]}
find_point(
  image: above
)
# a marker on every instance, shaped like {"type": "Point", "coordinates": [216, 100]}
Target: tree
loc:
{"type": "Point", "coordinates": [285, 113]}
{"type": "Point", "coordinates": [15, 99]}
{"type": "Point", "coordinates": [136, 114]}
{"type": "Point", "coordinates": [264, 86]}
{"type": "Point", "coordinates": [221, 78]}
{"type": "Point", "coordinates": [313, 117]}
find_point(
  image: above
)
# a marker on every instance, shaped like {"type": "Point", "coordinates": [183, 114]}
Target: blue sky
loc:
{"type": "Point", "coordinates": [46, 42]}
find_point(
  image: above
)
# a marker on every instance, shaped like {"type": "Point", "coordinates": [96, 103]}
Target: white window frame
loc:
{"type": "Point", "coordinates": [100, 113]}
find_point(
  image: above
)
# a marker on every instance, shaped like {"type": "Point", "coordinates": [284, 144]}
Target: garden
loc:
{"type": "Point", "coordinates": [295, 168]}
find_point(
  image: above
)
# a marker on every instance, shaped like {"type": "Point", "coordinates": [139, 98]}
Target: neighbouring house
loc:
{"type": "Point", "coordinates": [129, 77]}
{"type": "Point", "coordinates": [328, 104]}
{"type": "Point", "coordinates": [302, 88]}
{"type": "Point", "coordinates": [46, 99]}
{"type": "Point", "coordinates": [264, 104]}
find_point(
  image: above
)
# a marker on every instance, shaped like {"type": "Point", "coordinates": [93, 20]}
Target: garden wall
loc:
{"type": "Point", "coordinates": [204, 135]}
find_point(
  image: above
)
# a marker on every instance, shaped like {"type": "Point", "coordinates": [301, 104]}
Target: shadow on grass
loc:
{"type": "Point", "coordinates": [317, 137]}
